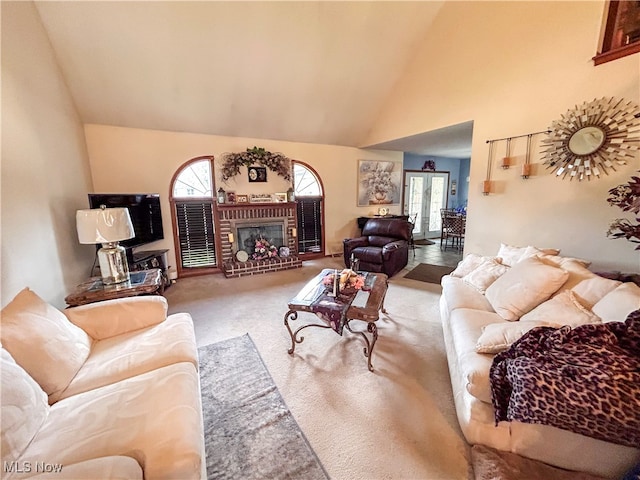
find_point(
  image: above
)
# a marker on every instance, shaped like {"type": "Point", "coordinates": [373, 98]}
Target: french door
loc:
{"type": "Point", "coordinates": [425, 193]}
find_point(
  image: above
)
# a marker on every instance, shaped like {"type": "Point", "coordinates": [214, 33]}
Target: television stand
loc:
{"type": "Point", "coordinates": [148, 259]}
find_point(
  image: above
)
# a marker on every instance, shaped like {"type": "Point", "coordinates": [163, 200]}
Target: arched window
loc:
{"type": "Point", "coordinates": [309, 195]}
{"type": "Point", "coordinates": [192, 197]}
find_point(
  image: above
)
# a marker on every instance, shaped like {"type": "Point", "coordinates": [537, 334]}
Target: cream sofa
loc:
{"type": "Point", "coordinates": [471, 298]}
{"type": "Point", "coordinates": [105, 390]}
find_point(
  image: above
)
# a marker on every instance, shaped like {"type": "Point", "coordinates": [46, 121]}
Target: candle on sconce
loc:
{"type": "Point", "coordinates": [526, 170]}
{"type": "Point", "coordinates": [294, 232]}
{"type": "Point", "coordinates": [486, 187]}
{"type": "Point", "coordinates": [230, 237]}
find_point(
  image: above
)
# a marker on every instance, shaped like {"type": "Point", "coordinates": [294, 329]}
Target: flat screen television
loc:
{"type": "Point", "coordinates": [144, 209]}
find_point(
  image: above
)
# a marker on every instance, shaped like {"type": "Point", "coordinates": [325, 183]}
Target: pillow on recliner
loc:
{"type": "Point", "coordinates": [43, 341]}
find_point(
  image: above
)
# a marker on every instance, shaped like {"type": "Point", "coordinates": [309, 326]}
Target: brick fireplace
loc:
{"type": "Point", "coordinates": [274, 217]}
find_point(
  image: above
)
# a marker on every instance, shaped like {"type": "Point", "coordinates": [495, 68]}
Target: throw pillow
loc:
{"type": "Point", "coordinates": [586, 285]}
{"type": "Point", "coordinates": [497, 337]}
{"type": "Point", "coordinates": [511, 255]}
{"type": "Point", "coordinates": [616, 305]}
{"type": "Point", "coordinates": [468, 264]}
{"type": "Point", "coordinates": [561, 261]}
{"type": "Point", "coordinates": [485, 274]}
{"type": "Point", "coordinates": [562, 309]}
{"type": "Point", "coordinates": [523, 287]}
{"type": "Point", "coordinates": [24, 408]}
{"type": "Point", "coordinates": [43, 341]}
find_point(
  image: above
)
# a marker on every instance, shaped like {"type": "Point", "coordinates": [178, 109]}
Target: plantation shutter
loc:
{"type": "Point", "coordinates": [309, 224]}
{"type": "Point", "coordinates": [196, 233]}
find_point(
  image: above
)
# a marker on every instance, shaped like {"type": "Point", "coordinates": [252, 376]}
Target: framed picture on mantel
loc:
{"type": "Point", "coordinates": [261, 198]}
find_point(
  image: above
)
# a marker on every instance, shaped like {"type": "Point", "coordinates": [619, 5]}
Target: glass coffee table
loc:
{"type": "Point", "coordinates": [337, 312]}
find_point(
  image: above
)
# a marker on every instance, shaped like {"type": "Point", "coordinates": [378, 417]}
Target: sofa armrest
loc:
{"type": "Point", "coordinates": [391, 247]}
{"type": "Point", "coordinates": [352, 243]}
{"type": "Point", "coordinates": [114, 317]}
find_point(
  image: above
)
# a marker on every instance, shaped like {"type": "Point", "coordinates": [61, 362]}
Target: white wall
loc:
{"type": "Point", "coordinates": [45, 170]}
{"type": "Point", "coordinates": [128, 160]}
{"type": "Point", "coordinates": [513, 68]}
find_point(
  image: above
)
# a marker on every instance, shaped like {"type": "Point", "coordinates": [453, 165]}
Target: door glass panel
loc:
{"type": "Point", "coordinates": [437, 202]}
{"type": "Point", "coordinates": [416, 190]}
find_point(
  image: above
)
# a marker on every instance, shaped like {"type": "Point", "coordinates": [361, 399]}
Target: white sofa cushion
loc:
{"type": "Point", "coordinates": [24, 409]}
{"type": "Point", "coordinates": [469, 263]}
{"type": "Point", "coordinates": [155, 418]}
{"type": "Point", "coordinates": [497, 337]}
{"type": "Point", "coordinates": [616, 305]}
{"type": "Point", "coordinates": [459, 294]}
{"type": "Point", "coordinates": [43, 341]}
{"type": "Point", "coordinates": [485, 274]}
{"type": "Point", "coordinates": [562, 309]}
{"type": "Point", "coordinates": [511, 255]}
{"type": "Point", "coordinates": [129, 354]}
{"type": "Point", "coordinates": [586, 285]}
{"type": "Point", "coordinates": [527, 284]}
{"type": "Point", "coordinates": [466, 326]}
{"type": "Point", "coordinates": [114, 317]}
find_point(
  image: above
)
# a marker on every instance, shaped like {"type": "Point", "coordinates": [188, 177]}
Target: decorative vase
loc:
{"type": "Point", "coordinates": [380, 196]}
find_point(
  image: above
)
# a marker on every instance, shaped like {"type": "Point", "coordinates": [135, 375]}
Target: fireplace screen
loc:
{"type": "Point", "coordinates": [247, 236]}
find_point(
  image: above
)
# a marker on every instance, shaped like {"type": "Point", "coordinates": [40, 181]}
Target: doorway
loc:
{"type": "Point", "coordinates": [425, 193]}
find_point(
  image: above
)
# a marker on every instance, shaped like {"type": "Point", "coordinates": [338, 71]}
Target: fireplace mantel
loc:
{"type": "Point", "coordinates": [231, 214]}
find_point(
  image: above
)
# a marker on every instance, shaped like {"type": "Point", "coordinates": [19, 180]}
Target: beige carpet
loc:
{"type": "Point", "coordinates": [396, 423]}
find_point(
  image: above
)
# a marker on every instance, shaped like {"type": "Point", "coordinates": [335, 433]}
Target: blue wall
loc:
{"type": "Point", "coordinates": [458, 169]}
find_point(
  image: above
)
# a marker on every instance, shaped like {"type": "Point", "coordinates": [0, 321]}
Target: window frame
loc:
{"type": "Point", "coordinates": [607, 51]}
{"type": "Point", "coordinates": [173, 201]}
{"type": "Point", "coordinates": [321, 253]}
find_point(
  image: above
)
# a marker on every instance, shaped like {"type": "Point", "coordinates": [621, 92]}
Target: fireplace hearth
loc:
{"type": "Point", "coordinates": [244, 223]}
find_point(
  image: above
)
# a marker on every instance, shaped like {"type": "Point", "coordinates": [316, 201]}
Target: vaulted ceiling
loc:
{"type": "Point", "coordinates": [316, 72]}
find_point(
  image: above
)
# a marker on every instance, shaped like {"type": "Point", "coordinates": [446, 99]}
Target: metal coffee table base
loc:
{"type": "Point", "coordinates": [371, 328]}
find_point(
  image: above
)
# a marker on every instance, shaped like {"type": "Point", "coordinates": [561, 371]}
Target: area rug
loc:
{"type": "Point", "coordinates": [249, 431]}
{"type": "Point", "coordinates": [491, 464]}
{"type": "Point", "coordinates": [424, 241]}
{"type": "Point", "coordinates": [425, 272]}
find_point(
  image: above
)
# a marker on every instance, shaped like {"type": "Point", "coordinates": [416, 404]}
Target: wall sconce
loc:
{"type": "Point", "coordinates": [506, 161]}
{"type": "Point", "coordinates": [454, 187]}
{"type": "Point", "coordinates": [486, 187]}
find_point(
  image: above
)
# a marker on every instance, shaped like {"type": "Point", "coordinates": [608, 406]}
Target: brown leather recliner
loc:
{"type": "Point", "coordinates": [383, 246]}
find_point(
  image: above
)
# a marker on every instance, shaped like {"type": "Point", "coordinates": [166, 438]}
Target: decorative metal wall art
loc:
{"type": "Point", "coordinates": [508, 159]}
{"type": "Point", "coordinates": [592, 138]}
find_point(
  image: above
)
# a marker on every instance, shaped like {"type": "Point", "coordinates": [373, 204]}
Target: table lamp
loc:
{"type": "Point", "coordinates": [107, 226]}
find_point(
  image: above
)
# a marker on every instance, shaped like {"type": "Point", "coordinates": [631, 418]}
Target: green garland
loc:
{"type": "Point", "coordinates": [275, 162]}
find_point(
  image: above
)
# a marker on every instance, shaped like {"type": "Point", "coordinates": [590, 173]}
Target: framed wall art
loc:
{"type": "Point", "coordinates": [280, 197]}
{"type": "Point", "coordinates": [261, 198]}
{"type": "Point", "coordinates": [257, 174]}
{"type": "Point", "coordinates": [378, 183]}
{"type": "Point", "coordinates": [241, 198]}
{"type": "Point", "coordinates": [231, 197]}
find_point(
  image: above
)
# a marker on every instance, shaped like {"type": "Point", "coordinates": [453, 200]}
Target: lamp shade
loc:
{"type": "Point", "coordinates": [104, 225]}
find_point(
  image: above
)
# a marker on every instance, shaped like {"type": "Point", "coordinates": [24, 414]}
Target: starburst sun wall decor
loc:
{"type": "Point", "coordinates": [592, 139]}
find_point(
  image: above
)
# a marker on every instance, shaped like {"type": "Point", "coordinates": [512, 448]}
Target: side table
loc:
{"type": "Point", "coordinates": [144, 282]}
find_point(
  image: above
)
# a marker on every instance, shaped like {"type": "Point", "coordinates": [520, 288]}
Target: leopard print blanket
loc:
{"type": "Point", "coordinates": [585, 380]}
